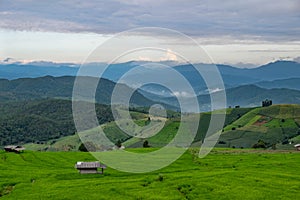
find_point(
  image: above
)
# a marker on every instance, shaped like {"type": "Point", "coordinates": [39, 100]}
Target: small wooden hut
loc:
{"type": "Point", "coordinates": [90, 167]}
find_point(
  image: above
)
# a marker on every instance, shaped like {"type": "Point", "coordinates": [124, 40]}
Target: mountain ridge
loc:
{"type": "Point", "coordinates": [62, 88]}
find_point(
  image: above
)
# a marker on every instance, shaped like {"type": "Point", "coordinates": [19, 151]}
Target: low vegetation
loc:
{"type": "Point", "coordinates": [225, 174]}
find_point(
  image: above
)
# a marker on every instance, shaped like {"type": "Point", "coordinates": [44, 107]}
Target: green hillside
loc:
{"type": "Point", "coordinates": [114, 133]}
{"type": "Point", "coordinates": [224, 174]}
{"type": "Point", "coordinates": [265, 127]}
{"type": "Point", "coordinates": [244, 127]}
{"type": "Point", "coordinates": [72, 142]}
{"type": "Point", "coordinates": [62, 87]}
{"type": "Point", "coordinates": [171, 128]}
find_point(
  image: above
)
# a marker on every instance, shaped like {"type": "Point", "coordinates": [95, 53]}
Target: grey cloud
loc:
{"type": "Point", "coordinates": [266, 19]}
{"type": "Point", "coordinates": [275, 50]}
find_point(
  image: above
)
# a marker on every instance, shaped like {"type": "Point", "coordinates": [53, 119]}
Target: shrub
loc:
{"type": "Point", "coordinates": [88, 146]}
{"type": "Point", "coordinates": [260, 144]}
{"type": "Point", "coordinates": [118, 143]}
{"type": "Point", "coordinates": [146, 144]}
{"type": "Point", "coordinates": [160, 177]}
{"type": "Point", "coordinates": [285, 142]}
{"type": "Point", "coordinates": [185, 189]}
{"type": "Point", "coordinates": [82, 148]}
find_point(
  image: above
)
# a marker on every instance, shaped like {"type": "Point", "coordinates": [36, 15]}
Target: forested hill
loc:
{"type": "Point", "coordinates": [61, 87]}
{"type": "Point", "coordinates": [41, 120]}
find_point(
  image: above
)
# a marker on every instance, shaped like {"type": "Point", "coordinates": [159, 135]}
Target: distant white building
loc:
{"type": "Point", "coordinates": [12, 148]}
{"type": "Point", "coordinates": [297, 146]}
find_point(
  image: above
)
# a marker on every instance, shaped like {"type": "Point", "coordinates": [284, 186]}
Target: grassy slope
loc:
{"type": "Point", "coordinates": [169, 131]}
{"type": "Point", "coordinates": [244, 120]}
{"type": "Point", "coordinates": [158, 140]}
{"type": "Point", "coordinates": [71, 143]}
{"type": "Point", "coordinates": [251, 124]}
{"type": "Point", "coordinates": [220, 175]}
{"type": "Point", "coordinates": [274, 125]}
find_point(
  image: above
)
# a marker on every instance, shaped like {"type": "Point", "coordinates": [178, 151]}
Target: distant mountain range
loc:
{"type": "Point", "coordinates": [266, 76]}
{"type": "Point", "coordinates": [233, 77]}
{"type": "Point", "coordinates": [15, 71]}
{"type": "Point", "coordinates": [62, 87]}
{"type": "Point", "coordinates": [244, 96]}
{"type": "Point", "coordinates": [252, 95]}
{"type": "Point", "coordinates": [291, 83]}
{"type": "Point", "coordinates": [279, 81]}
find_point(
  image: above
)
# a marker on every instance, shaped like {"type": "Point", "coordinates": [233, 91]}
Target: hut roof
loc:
{"type": "Point", "coordinates": [15, 147]}
{"type": "Point", "coordinates": [85, 165]}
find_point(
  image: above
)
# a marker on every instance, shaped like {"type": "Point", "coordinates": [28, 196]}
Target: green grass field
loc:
{"type": "Point", "coordinates": [223, 174]}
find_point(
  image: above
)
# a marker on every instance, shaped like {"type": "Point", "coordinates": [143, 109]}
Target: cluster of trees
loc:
{"type": "Point", "coordinates": [266, 103]}
{"type": "Point", "coordinates": [41, 120]}
{"type": "Point", "coordinates": [260, 144]}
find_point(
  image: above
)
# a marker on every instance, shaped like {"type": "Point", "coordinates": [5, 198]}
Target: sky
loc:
{"type": "Point", "coordinates": [243, 33]}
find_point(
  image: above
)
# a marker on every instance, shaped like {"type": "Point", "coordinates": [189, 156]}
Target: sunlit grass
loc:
{"type": "Point", "coordinates": [223, 174]}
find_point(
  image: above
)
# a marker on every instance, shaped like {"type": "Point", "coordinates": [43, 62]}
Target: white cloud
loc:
{"type": "Point", "coordinates": [143, 58]}
{"type": "Point", "coordinates": [297, 59]}
{"type": "Point", "coordinates": [213, 90]}
{"type": "Point", "coordinates": [182, 94]}
{"type": "Point", "coordinates": [170, 56]}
